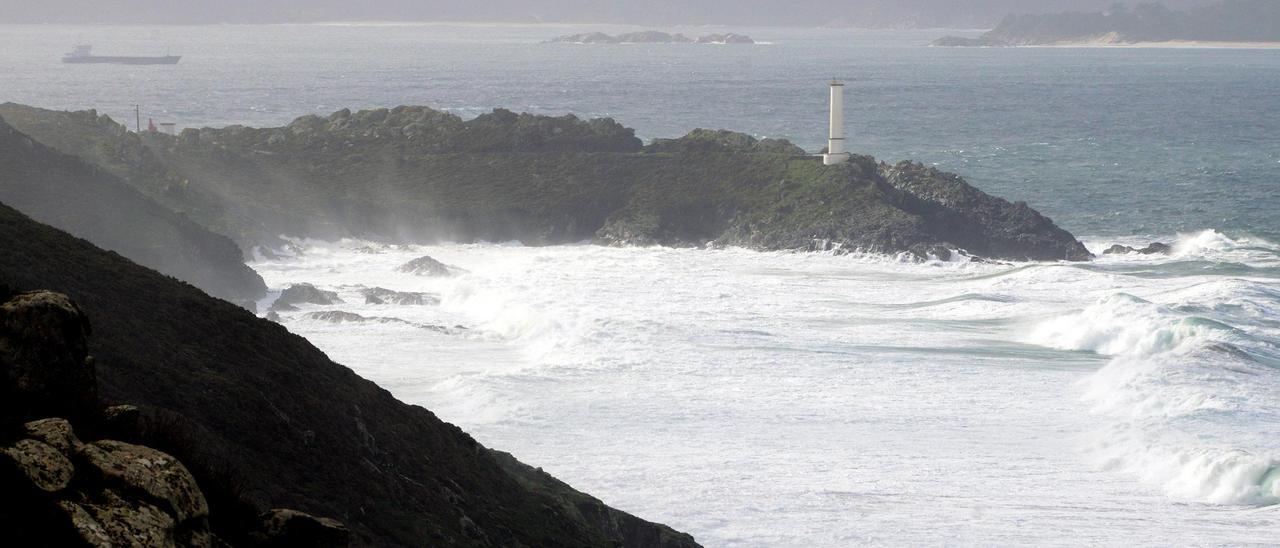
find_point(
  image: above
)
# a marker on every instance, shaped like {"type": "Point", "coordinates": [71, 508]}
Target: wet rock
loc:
{"type": "Point", "coordinates": [1155, 248]}
{"type": "Point", "coordinates": [36, 464]}
{"type": "Point", "coordinates": [927, 252]}
{"type": "Point", "coordinates": [378, 295]}
{"type": "Point", "coordinates": [56, 433]}
{"type": "Point", "coordinates": [45, 368]}
{"type": "Point", "coordinates": [159, 475]}
{"type": "Point", "coordinates": [304, 293]}
{"type": "Point", "coordinates": [427, 266]}
{"type": "Point", "coordinates": [336, 316]}
{"type": "Point", "coordinates": [283, 527]}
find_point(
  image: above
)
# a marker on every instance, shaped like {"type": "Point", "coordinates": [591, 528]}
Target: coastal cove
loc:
{"type": "Point", "coordinates": [465, 284]}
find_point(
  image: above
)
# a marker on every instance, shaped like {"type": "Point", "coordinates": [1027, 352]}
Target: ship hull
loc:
{"type": "Point", "coordinates": [114, 60]}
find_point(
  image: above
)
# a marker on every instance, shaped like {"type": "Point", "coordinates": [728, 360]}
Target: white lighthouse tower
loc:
{"type": "Point", "coordinates": [835, 143]}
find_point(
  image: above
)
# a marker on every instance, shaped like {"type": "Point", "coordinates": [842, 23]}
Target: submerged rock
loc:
{"type": "Point", "coordinates": [339, 316]}
{"type": "Point", "coordinates": [304, 293]}
{"type": "Point", "coordinates": [379, 295]}
{"type": "Point", "coordinates": [427, 266]}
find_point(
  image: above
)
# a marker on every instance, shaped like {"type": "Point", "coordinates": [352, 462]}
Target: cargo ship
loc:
{"type": "Point", "coordinates": [83, 54]}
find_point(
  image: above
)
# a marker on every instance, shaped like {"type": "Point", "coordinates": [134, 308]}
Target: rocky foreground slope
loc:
{"type": "Point", "coordinates": [263, 420]}
{"type": "Point", "coordinates": [413, 173]}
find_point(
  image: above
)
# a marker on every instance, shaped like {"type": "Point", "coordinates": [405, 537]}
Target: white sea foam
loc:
{"type": "Point", "coordinates": [821, 399]}
{"type": "Point", "coordinates": [1180, 392]}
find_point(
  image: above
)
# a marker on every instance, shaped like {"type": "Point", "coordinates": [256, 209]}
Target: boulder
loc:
{"type": "Point", "coordinates": [304, 293]}
{"type": "Point", "coordinates": [283, 527]}
{"type": "Point", "coordinates": [45, 368]}
{"type": "Point", "coordinates": [143, 469]}
{"type": "Point", "coordinates": [926, 252]}
{"type": "Point", "coordinates": [123, 521]}
{"type": "Point", "coordinates": [1156, 248]}
{"type": "Point", "coordinates": [35, 464]}
{"type": "Point", "coordinates": [56, 433]}
{"type": "Point", "coordinates": [427, 266]}
{"type": "Point", "coordinates": [379, 295]}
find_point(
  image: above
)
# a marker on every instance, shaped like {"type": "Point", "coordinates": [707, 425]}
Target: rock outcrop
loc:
{"type": "Point", "coordinates": [416, 174]}
{"type": "Point", "coordinates": [303, 293]}
{"type": "Point", "coordinates": [59, 490]}
{"type": "Point", "coordinates": [261, 419]}
{"type": "Point", "coordinates": [1156, 248]}
{"type": "Point", "coordinates": [427, 266]}
{"type": "Point", "coordinates": [380, 295]}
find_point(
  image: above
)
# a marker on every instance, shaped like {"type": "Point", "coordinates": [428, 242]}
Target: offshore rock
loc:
{"type": "Point", "coordinates": [304, 293]}
{"type": "Point", "coordinates": [1155, 248]}
{"type": "Point", "coordinates": [427, 266]}
{"type": "Point", "coordinates": [379, 295]}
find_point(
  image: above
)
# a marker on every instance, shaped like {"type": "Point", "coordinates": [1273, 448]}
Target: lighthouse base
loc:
{"type": "Point", "coordinates": [835, 159]}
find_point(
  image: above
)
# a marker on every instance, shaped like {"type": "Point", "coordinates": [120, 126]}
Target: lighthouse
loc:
{"type": "Point", "coordinates": [835, 143]}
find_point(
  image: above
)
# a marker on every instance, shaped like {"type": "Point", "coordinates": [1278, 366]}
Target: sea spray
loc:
{"type": "Point", "coordinates": [1173, 393]}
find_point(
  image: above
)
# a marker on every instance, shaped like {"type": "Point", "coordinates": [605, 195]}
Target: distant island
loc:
{"type": "Point", "coordinates": [651, 37]}
{"type": "Point", "coordinates": [1230, 21]}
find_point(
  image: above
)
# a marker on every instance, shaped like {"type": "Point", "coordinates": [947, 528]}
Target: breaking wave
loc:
{"type": "Point", "coordinates": [1183, 393]}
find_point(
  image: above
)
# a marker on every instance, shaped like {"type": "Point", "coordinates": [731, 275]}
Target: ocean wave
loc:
{"type": "Point", "coordinates": [1182, 395]}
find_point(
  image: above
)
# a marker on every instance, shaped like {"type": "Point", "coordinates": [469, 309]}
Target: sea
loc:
{"type": "Point", "coordinates": [808, 399]}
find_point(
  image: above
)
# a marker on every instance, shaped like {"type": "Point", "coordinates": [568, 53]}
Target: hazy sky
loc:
{"type": "Point", "coordinates": [856, 13]}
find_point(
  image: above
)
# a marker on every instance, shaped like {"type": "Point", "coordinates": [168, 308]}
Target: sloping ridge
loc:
{"type": "Point", "coordinates": [88, 202]}
{"type": "Point", "coordinates": [294, 427]}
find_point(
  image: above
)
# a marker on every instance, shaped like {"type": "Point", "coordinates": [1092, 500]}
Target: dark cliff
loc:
{"type": "Point", "coordinates": [92, 203]}
{"type": "Point", "coordinates": [287, 427]}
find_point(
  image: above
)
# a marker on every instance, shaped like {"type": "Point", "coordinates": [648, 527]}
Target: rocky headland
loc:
{"type": "Point", "coordinates": [1232, 21]}
{"type": "Point", "coordinates": [240, 432]}
{"type": "Point", "coordinates": [414, 174]}
{"type": "Point", "coordinates": [651, 37]}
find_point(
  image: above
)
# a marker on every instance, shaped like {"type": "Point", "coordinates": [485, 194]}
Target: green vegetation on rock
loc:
{"type": "Point", "coordinates": [416, 174]}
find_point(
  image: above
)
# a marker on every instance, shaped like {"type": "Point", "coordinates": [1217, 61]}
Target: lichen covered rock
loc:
{"type": "Point", "coordinates": [45, 368]}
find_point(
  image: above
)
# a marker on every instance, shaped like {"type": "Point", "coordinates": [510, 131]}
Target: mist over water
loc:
{"type": "Point", "coordinates": [807, 399]}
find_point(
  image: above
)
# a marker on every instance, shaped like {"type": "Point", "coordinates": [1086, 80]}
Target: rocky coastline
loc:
{"type": "Point", "coordinates": [1230, 21]}
{"type": "Point", "coordinates": [415, 174]}
{"type": "Point", "coordinates": [651, 37]}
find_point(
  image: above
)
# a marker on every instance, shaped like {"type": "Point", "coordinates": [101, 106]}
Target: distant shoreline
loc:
{"type": "Point", "coordinates": [1169, 44]}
